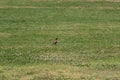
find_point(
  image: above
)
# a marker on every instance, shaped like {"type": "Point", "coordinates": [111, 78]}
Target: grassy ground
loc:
{"type": "Point", "coordinates": [88, 32]}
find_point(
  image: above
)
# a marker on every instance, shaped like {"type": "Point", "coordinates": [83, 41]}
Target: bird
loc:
{"type": "Point", "coordinates": [55, 42]}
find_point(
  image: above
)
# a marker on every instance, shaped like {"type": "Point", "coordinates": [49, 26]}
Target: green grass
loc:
{"type": "Point", "coordinates": [88, 32]}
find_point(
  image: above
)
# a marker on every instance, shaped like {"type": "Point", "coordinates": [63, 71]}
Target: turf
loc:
{"type": "Point", "coordinates": [88, 32]}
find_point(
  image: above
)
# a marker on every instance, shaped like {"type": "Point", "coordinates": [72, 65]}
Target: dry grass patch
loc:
{"type": "Point", "coordinates": [29, 72]}
{"type": "Point", "coordinates": [114, 8]}
{"type": "Point", "coordinates": [113, 0]}
{"type": "Point", "coordinates": [4, 34]}
{"type": "Point", "coordinates": [103, 0]}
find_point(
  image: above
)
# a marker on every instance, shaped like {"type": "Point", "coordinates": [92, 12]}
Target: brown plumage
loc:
{"type": "Point", "coordinates": [55, 41]}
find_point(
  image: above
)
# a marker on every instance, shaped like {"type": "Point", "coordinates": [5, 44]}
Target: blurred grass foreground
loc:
{"type": "Point", "coordinates": [88, 33]}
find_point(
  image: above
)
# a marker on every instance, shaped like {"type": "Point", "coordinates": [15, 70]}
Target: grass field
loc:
{"type": "Point", "coordinates": [88, 32]}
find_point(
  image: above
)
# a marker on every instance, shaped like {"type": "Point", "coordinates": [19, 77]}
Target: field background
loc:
{"type": "Point", "coordinates": [88, 32]}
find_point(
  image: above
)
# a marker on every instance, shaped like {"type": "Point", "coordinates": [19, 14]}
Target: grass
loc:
{"type": "Point", "coordinates": [88, 33]}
